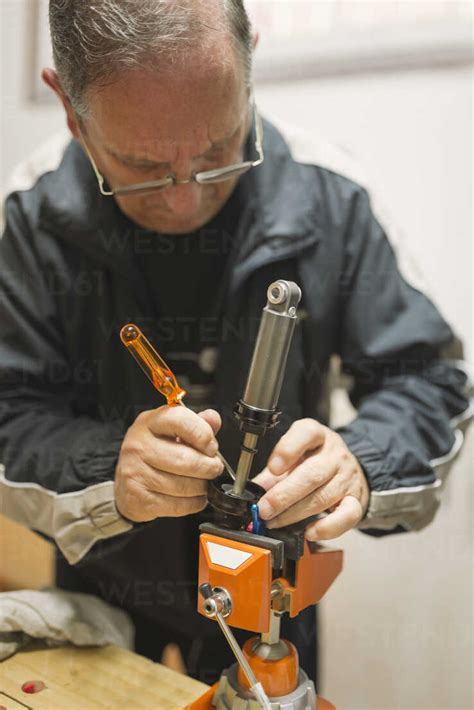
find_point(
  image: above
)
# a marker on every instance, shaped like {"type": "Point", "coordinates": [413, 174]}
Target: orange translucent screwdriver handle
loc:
{"type": "Point", "coordinates": [152, 364]}
{"type": "Point", "coordinates": [156, 369]}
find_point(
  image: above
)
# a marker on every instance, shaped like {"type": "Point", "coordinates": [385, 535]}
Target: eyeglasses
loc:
{"type": "Point", "coordinates": [205, 177]}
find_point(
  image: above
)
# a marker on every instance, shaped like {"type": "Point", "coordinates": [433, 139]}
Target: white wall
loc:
{"type": "Point", "coordinates": [398, 623]}
{"type": "Point", "coordinates": [23, 125]}
{"type": "Point", "coordinates": [413, 131]}
{"type": "Point", "coordinates": [397, 626]}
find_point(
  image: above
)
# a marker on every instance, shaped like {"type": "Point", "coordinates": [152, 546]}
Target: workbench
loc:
{"type": "Point", "coordinates": [93, 679]}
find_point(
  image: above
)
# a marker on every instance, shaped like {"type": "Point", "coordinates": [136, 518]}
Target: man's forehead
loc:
{"type": "Point", "coordinates": [148, 111]}
{"type": "Point", "coordinates": [193, 135]}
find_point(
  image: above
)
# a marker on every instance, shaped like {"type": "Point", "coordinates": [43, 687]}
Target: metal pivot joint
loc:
{"type": "Point", "coordinates": [257, 411]}
{"type": "Point", "coordinates": [216, 601]}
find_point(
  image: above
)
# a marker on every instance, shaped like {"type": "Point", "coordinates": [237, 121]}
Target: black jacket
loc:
{"type": "Point", "coordinates": [69, 280]}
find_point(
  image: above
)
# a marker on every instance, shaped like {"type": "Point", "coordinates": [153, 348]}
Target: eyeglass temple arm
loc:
{"type": "Point", "coordinates": [98, 174]}
{"type": "Point", "coordinates": [258, 136]}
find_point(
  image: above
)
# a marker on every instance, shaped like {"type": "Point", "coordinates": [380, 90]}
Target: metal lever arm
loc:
{"type": "Point", "coordinates": [217, 603]}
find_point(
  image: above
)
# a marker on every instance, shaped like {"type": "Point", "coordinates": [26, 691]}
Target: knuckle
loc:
{"type": "Point", "coordinates": [149, 416]}
{"type": "Point", "coordinates": [275, 504]}
{"type": "Point", "coordinates": [218, 467]}
{"type": "Point", "coordinates": [166, 418]}
{"type": "Point", "coordinates": [310, 423]}
{"type": "Point", "coordinates": [188, 429]}
{"type": "Point", "coordinates": [312, 426]}
{"type": "Point", "coordinates": [132, 444]}
{"type": "Point", "coordinates": [162, 411]}
{"type": "Point", "coordinates": [195, 429]}
{"type": "Point", "coordinates": [311, 470]}
{"type": "Point", "coordinates": [126, 472]}
{"type": "Point", "coordinates": [135, 449]}
{"type": "Point", "coordinates": [142, 417]}
{"type": "Point", "coordinates": [202, 434]}
{"type": "Point", "coordinates": [217, 420]}
{"type": "Point", "coordinates": [323, 499]}
{"type": "Point", "coordinates": [335, 442]}
{"type": "Point", "coordinates": [284, 449]}
{"type": "Point", "coordinates": [209, 469]}
{"type": "Point", "coordinates": [346, 457]}
{"type": "Point", "coordinates": [184, 458]}
{"type": "Point", "coordinates": [124, 481]}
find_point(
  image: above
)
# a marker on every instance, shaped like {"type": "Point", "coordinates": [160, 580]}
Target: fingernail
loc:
{"type": "Point", "coordinates": [277, 465]}
{"type": "Point", "coordinates": [211, 449]}
{"type": "Point", "coordinates": [264, 509]}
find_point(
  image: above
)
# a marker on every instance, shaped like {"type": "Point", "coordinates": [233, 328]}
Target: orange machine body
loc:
{"type": "Point", "coordinates": [245, 572]}
{"type": "Point", "coordinates": [205, 702]}
{"type": "Point", "coordinates": [316, 570]}
{"type": "Point", "coordinates": [279, 677]}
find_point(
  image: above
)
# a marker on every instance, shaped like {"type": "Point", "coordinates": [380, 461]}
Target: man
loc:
{"type": "Point", "coordinates": [170, 210]}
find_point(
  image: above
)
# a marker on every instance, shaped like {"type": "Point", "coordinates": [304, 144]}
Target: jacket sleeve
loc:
{"type": "Point", "coordinates": [412, 401]}
{"type": "Point", "coordinates": [56, 467]}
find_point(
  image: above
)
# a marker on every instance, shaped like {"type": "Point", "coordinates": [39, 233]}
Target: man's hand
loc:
{"type": "Point", "coordinates": [311, 471]}
{"type": "Point", "coordinates": [159, 475]}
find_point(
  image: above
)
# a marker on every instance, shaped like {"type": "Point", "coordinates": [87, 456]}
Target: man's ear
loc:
{"type": "Point", "coordinates": [255, 40]}
{"type": "Point", "coordinates": [51, 79]}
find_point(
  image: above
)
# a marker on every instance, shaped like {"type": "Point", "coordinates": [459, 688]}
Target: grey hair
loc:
{"type": "Point", "coordinates": [93, 40]}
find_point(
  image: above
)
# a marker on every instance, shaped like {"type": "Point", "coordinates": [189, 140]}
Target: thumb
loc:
{"type": "Point", "coordinates": [213, 418]}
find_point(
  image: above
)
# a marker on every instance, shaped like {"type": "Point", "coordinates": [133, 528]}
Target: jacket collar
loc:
{"type": "Point", "coordinates": [280, 217]}
{"type": "Point", "coordinates": [283, 209]}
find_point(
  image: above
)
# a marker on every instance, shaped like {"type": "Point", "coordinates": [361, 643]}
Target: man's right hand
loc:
{"type": "Point", "coordinates": [158, 475]}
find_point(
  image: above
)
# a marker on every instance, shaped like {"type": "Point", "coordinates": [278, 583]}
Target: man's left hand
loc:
{"type": "Point", "coordinates": [312, 471]}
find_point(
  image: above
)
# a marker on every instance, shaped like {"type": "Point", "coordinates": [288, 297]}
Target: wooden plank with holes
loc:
{"type": "Point", "coordinates": [94, 679]}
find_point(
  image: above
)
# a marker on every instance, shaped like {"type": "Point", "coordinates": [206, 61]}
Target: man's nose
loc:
{"type": "Point", "coordinates": [183, 200]}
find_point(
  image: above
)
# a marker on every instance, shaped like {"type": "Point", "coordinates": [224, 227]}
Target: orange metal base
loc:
{"type": "Point", "coordinates": [325, 704]}
{"type": "Point", "coordinates": [278, 677]}
{"type": "Point", "coordinates": [205, 701]}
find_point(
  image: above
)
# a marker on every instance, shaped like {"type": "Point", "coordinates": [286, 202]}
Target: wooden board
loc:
{"type": "Point", "coordinates": [93, 679]}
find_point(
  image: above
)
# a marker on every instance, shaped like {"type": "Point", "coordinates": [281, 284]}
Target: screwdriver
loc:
{"type": "Point", "coordinates": [157, 371]}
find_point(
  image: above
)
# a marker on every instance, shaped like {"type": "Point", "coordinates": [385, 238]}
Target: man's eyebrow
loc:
{"type": "Point", "coordinates": [127, 158]}
{"type": "Point", "coordinates": [226, 139]}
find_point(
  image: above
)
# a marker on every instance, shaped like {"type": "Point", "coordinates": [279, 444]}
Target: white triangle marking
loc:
{"type": "Point", "coordinates": [227, 556]}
